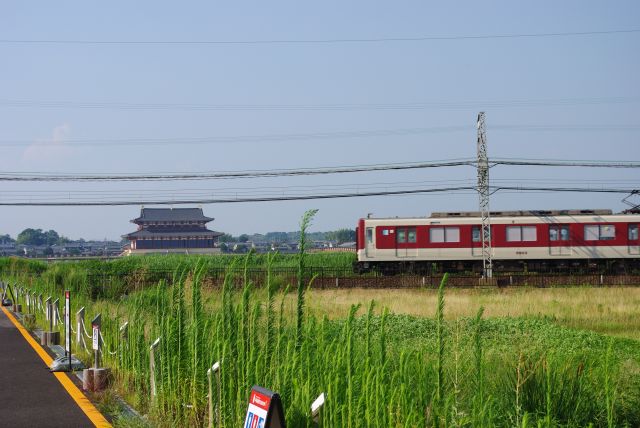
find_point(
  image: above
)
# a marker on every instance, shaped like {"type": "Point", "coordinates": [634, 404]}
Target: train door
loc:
{"type": "Point", "coordinates": [634, 241]}
{"type": "Point", "coordinates": [559, 241]}
{"type": "Point", "coordinates": [406, 242]}
{"type": "Point", "coordinates": [370, 245]}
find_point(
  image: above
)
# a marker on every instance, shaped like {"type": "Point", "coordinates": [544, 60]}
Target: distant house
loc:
{"type": "Point", "coordinates": [172, 230]}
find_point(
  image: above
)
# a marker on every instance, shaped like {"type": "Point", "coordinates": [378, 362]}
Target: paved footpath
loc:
{"type": "Point", "coordinates": [31, 396]}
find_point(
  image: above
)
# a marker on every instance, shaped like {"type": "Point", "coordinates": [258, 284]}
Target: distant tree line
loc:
{"type": "Point", "coordinates": [340, 236]}
{"type": "Point", "coordinates": [35, 237]}
{"type": "Point", "coordinates": [51, 237]}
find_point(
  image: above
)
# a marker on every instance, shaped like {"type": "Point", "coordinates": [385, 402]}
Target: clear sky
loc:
{"type": "Point", "coordinates": [69, 108]}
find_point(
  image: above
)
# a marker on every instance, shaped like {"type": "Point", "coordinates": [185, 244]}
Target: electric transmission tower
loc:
{"type": "Point", "coordinates": [483, 191]}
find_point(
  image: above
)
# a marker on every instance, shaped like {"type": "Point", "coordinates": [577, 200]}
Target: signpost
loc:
{"type": "Point", "coordinates": [265, 409]}
{"type": "Point", "coordinates": [95, 343]}
{"type": "Point", "coordinates": [67, 325]}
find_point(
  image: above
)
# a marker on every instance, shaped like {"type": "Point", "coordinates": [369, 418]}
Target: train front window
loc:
{"type": "Point", "coordinates": [401, 236]}
{"type": "Point", "coordinates": [369, 235]}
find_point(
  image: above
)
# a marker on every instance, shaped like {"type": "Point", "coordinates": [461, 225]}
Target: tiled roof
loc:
{"type": "Point", "coordinates": [171, 214]}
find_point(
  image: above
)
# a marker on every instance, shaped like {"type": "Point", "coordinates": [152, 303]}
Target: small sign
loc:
{"type": "Point", "coordinates": [96, 337]}
{"type": "Point", "coordinates": [265, 409]}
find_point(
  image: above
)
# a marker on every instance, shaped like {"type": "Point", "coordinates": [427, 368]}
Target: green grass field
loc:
{"type": "Point", "coordinates": [388, 358]}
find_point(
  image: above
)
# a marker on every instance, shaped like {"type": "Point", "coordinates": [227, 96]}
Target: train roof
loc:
{"type": "Point", "coordinates": [521, 213]}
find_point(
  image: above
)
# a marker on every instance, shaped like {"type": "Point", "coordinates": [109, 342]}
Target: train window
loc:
{"type": "Point", "coordinates": [529, 233]}
{"type": "Point", "coordinates": [591, 233]}
{"type": "Point", "coordinates": [599, 233]}
{"type": "Point", "coordinates": [633, 232]}
{"type": "Point", "coordinates": [452, 234]}
{"type": "Point", "coordinates": [514, 233]}
{"type": "Point", "coordinates": [401, 236]}
{"type": "Point", "coordinates": [521, 233]}
{"type": "Point", "coordinates": [436, 234]}
{"type": "Point", "coordinates": [385, 232]}
{"type": "Point", "coordinates": [411, 234]}
{"type": "Point", "coordinates": [444, 234]}
{"type": "Point", "coordinates": [475, 234]}
{"type": "Point", "coordinates": [607, 231]}
{"type": "Point", "coordinates": [558, 233]}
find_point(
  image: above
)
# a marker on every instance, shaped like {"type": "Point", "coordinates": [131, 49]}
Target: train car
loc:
{"type": "Point", "coordinates": [544, 241]}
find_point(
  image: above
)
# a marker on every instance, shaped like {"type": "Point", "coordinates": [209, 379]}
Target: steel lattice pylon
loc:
{"type": "Point", "coordinates": [483, 191]}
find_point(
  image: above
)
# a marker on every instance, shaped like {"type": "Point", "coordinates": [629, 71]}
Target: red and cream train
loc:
{"type": "Point", "coordinates": [586, 240]}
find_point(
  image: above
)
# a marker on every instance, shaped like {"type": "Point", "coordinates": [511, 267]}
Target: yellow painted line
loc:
{"type": "Point", "coordinates": [81, 400]}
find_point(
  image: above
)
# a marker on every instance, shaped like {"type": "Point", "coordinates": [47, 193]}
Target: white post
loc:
{"type": "Point", "coordinates": [316, 407]}
{"type": "Point", "coordinates": [152, 368]}
{"type": "Point", "coordinates": [79, 325]}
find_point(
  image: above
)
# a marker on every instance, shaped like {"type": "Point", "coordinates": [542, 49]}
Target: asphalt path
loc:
{"type": "Point", "coordinates": [31, 396]}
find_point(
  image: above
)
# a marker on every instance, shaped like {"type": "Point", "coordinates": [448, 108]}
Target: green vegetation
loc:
{"type": "Point", "coordinates": [377, 369]}
{"type": "Point", "coordinates": [39, 237]}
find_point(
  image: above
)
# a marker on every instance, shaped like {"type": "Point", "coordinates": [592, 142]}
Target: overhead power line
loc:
{"type": "Point", "coordinates": [51, 177]}
{"type": "Point", "coordinates": [234, 174]}
{"type": "Point", "coordinates": [566, 163]}
{"type": "Point", "coordinates": [230, 200]}
{"type": "Point", "coordinates": [357, 40]}
{"type": "Point", "coordinates": [420, 105]}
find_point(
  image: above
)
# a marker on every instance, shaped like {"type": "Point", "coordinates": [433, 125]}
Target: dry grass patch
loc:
{"type": "Point", "coordinates": [614, 311]}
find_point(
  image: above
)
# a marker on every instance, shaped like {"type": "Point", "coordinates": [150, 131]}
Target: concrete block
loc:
{"type": "Point", "coordinates": [50, 338]}
{"type": "Point", "coordinates": [87, 379]}
{"type": "Point", "coordinates": [101, 379]}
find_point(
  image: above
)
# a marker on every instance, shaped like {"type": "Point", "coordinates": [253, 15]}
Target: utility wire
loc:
{"type": "Point", "coordinates": [233, 175]}
{"type": "Point", "coordinates": [311, 197]}
{"type": "Point", "coordinates": [16, 176]}
{"type": "Point", "coordinates": [566, 163]}
{"type": "Point", "coordinates": [313, 41]}
{"type": "Point", "coordinates": [297, 190]}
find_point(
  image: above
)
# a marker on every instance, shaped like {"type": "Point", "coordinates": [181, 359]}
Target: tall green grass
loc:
{"type": "Point", "coordinates": [377, 370]}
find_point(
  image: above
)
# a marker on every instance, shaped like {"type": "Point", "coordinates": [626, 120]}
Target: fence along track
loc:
{"type": "Point", "coordinates": [329, 278]}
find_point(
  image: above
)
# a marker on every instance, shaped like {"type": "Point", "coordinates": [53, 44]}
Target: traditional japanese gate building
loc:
{"type": "Point", "coordinates": [172, 230]}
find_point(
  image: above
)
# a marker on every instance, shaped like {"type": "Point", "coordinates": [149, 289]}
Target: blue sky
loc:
{"type": "Point", "coordinates": [457, 78]}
